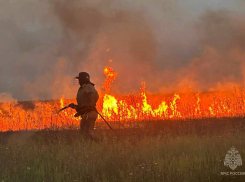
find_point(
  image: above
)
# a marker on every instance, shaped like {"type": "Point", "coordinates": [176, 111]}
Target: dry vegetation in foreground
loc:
{"type": "Point", "coordinates": [176, 151]}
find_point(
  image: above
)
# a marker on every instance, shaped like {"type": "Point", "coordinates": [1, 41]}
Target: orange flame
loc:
{"type": "Point", "coordinates": [125, 108]}
{"type": "Point", "coordinates": [110, 77]}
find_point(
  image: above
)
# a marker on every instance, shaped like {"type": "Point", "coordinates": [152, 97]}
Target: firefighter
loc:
{"type": "Point", "coordinates": [87, 97]}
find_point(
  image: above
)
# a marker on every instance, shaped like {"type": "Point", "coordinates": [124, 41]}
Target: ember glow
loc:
{"type": "Point", "coordinates": [124, 108]}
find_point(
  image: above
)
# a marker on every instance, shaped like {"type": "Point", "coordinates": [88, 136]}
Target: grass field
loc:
{"type": "Point", "coordinates": [192, 150]}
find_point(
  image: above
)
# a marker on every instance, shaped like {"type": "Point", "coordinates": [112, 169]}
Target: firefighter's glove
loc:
{"type": "Point", "coordinates": [85, 109]}
{"type": "Point", "coordinates": [76, 115]}
{"type": "Point", "coordinates": [82, 110]}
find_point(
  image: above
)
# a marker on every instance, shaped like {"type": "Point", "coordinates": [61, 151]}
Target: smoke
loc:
{"type": "Point", "coordinates": [5, 97]}
{"type": "Point", "coordinates": [170, 45]}
{"type": "Point", "coordinates": [222, 40]}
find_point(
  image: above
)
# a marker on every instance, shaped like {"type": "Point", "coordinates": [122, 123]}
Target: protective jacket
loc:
{"type": "Point", "coordinates": [87, 97]}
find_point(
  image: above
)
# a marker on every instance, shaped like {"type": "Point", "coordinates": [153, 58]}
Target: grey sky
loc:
{"type": "Point", "coordinates": [200, 6]}
{"type": "Point", "coordinates": [44, 44]}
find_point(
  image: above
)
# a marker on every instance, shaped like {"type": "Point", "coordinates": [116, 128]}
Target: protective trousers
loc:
{"type": "Point", "coordinates": [87, 127]}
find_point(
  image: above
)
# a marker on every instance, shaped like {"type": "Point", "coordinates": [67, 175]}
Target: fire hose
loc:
{"type": "Point", "coordinates": [72, 105]}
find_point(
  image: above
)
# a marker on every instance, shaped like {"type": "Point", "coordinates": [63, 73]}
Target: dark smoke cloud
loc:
{"type": "Point", "coordinates": [171, 46]}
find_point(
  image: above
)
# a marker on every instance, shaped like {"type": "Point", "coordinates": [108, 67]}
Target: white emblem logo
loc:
{"type": "Point", "coordinates": [233, 159]}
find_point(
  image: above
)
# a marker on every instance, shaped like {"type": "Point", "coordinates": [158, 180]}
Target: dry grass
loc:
{"type": "Point", "coordinates": [191, 150]}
